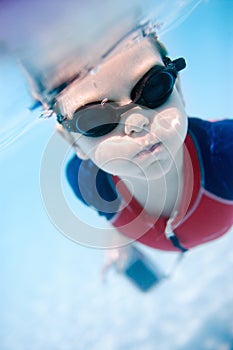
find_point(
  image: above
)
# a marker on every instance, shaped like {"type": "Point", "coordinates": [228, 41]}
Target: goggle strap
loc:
{"type": "Point", "coordinates": [60, 118]}
{"type": "Point", "coordinates": [177, 64]}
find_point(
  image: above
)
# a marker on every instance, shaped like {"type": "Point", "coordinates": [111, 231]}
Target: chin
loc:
{"type": "Point", "coordinates": [154, 171]}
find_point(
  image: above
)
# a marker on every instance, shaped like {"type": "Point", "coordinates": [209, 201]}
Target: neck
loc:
{"type": "Point", "coordinates": [159, 196]}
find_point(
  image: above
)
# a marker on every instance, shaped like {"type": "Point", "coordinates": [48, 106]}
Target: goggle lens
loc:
{"type": "Point", "coordinates": [97, 120]}
{"type": "Point", "coordinates": [156, 91]}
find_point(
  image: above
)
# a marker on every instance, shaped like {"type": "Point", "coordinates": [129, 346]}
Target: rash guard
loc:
{"type": "Point", "coordinates": [206, 209]}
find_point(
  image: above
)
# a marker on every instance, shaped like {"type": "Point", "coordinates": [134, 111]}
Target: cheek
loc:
{"type": "Point", "coordinates": [172, 120]}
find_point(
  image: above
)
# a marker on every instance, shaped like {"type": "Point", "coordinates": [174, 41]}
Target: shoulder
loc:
{"type": "Point", "coordinates": [214, 143]}
{"type": "Point", "coordinates": [215, 129]}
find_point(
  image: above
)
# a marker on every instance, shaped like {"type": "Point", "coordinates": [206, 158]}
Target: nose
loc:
{"type": "Point", "coordinates": [135, 122]}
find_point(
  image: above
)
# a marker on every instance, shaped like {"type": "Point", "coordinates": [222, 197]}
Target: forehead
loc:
{"type": "Point", "coordinates": [113, 79]}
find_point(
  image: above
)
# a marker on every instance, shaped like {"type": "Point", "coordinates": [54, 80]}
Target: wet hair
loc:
{"type": "Point", "coordinates": [37, 87]}
{"type": "Point", "coordinates": [161, 48]}
{"type": "Point", "coordinates": [158, 44]}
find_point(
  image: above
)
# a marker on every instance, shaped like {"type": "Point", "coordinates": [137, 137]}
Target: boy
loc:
{"type": "Point", "coordinates": [161, 178]}
{"type": "Point", "coordinates": [155, 174]}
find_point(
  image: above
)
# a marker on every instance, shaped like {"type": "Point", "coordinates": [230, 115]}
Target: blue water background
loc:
{"type": "Point", "coordinates": [51, 293]}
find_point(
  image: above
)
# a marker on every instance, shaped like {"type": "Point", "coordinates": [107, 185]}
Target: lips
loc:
{"type": "Point", "coordinates": [149, 149]}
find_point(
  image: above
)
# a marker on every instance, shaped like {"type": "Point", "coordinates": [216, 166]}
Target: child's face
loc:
{"type": "Point", "coordinates": [146, 141]}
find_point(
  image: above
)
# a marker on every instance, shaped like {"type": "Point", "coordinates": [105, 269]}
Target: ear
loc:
{"type": "Point", "coordinates": [178, 87]}
{"type": "Point", "coordinates": [71, 141]}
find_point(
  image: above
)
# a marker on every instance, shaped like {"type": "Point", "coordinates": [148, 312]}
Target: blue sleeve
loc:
{"type": "Point", "coordinates": [215, 144]}
{"type": "Point", "coordinates": [92, 186]}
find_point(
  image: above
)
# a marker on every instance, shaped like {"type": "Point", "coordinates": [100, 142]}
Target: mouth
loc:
{"type": "Point", "coordinates": [149, 149]}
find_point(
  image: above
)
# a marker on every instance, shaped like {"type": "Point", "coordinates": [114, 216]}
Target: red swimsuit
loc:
{"type": "Point", "coordinates": [202, 216]}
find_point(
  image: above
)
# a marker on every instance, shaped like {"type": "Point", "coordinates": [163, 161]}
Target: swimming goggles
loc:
{"type": "Point", "coordinates": [152, 90]}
